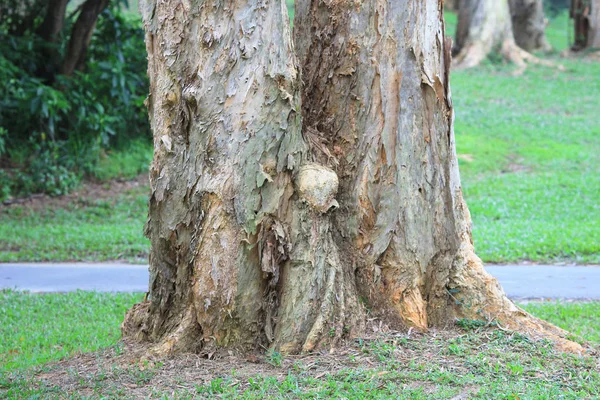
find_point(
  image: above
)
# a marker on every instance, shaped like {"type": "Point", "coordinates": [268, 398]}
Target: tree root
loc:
{"type": "Point", "coordinates": [473, 54]}
{"type": "Point", "coordinates": [478, 295]}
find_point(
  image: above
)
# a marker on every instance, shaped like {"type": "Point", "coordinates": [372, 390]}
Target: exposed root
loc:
{"type": "Point", "coordinates": [186, 337]}
{"type": "Point", "coordinates": [135, 324]}
{"type": "Point", "coordinates": [325, 313]}
{"type": "Point", "coordinates": [513, 53]}
{"type": "Point", "coordinates": [478, 295]}
{"type": "Point", "coordinates": [473, 54]}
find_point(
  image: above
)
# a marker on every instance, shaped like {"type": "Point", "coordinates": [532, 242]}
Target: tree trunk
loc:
{"type": "Point", "coordinates": [451, 5]}
{"type": "Point", "coordinates": [529, 24]}
{"type": "Point", "coordinates": [485, 26]}
{"type": "Point", "coordinates": [81, 35]}
{"type": "Point", "coordinates": [594, 36]}
{"type": "Point", "coordinates": [269, 229]}
{"type": "Point", "coordinates": [586, 22]}
{"type": "Point", "coordinates": [54, 20]}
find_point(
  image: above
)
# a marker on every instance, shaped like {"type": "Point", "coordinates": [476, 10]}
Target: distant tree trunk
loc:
{"type": "Point", "coordinates": [273, 230]}
{"type": "Point", "coordinates": [594, 36]}
{"type": "Point", "coordinates": [54, 20]}
{"type": "Point", "coordinates": [586, 21]}
{"type": "Point", "coordinates": [81, 35]}
{"type": "Point", "coordinates": [451, 5]}
{"type": "Point", "coordinates": [485, 26]}
{"type": "Point", "coordinates": [529, 24]}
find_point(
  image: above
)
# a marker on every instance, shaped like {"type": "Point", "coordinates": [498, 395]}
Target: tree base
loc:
{"type": "Point", "coordinates": [475, 295]}
{"type": "Point", "coordinates": [472, 55]}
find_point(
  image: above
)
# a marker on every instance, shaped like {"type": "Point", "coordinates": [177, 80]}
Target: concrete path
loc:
{"type": "Point", "coordinates": [519, 281]}
{"type": "Point", "coordinates": [70, 277]}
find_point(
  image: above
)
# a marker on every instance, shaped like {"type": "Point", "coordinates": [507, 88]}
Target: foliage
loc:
{"type": "Point", "coordinates": [57, 125]}
{"type": "Point", "coordinates": [18, 16]}
{"type": "Point", "coordinates": [555, 7]}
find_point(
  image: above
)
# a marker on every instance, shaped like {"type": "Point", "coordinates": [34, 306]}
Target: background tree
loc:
{"type": "Point", "coordinates": [586, 21]}
{"type": "Point", "coordinates": [280, 212]}
{"type": "Point", "coordinates": [81, 35]}
{"type": "Point", "coordinates": [594, 36]}
{"type": "Point", "coordinates": [451, 5]}
{"type": "Point", "coordinates": [529, 24]}
{"type": "Point", "coordinates": [486, 26]}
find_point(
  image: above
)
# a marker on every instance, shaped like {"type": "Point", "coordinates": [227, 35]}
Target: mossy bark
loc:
{"type": "Point", "coordinates": [283, 213]}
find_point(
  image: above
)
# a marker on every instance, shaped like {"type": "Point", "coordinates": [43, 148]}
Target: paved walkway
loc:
{"type": "Point", "coordinates": [519, 281]}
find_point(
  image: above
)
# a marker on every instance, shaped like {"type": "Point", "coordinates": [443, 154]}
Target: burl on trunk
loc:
{"type": "Point", "coordinates": [298, 187]}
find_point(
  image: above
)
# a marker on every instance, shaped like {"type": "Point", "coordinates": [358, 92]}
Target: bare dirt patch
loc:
{"type": "Point", "coordinates": [417, 361]}
{"type": "Point", "coordinates": [128, 370]}
{"type": "Point", "coordinates": [87, 191]}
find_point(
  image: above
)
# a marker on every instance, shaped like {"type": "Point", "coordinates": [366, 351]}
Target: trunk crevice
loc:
{"type": "Point", "coordinates": [291, 212]}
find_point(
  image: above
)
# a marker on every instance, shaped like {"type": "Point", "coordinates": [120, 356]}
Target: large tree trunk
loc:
{"type": "Point", "coordinates": [269, 229]}
{"type": "Point", "coordinates": [485, 26]}
{"type": "Point", "coordinates": [529, 24]}
{"type": "Point", "coordinates": [81, 35]}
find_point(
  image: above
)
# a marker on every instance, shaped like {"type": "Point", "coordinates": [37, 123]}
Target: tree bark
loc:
{"type": "Point", "coordinates": [586, 22]}
{"type": "Point", "coordinates": [484, 26]}
{"type": "Point", "coordinates": [81, 35]}
{"type": "Point", "coordinates": [54, 20]}
{"type": "Point", "coordinates": [281, 212]}
{"type": "Point", "coordinates": [451, 5]}
{"type": "Point", "coordinates": [529, 24]}
{"type": "Point", "coordinates": [594, 36]}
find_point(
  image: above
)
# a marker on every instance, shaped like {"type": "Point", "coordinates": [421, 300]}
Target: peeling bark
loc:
{"type": "Point", "coordinates": [272, 230]}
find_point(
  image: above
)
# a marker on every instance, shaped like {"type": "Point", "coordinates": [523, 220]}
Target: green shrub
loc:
{"type": "Point", "coordinates": [54, 128]}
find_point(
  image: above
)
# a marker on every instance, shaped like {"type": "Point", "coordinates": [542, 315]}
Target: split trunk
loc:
{"type": "Point", "coordinates": [299, 187]}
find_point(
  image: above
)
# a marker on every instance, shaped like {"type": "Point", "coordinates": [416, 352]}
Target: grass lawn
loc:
{"type": "Point", "coordinates": [85, 229]}
{"type": "Point", "coordinates": [483, 363]}
{"type": "Point", "coordinates": [529, 153]}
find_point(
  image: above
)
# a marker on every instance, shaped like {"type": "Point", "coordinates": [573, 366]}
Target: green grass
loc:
{"type": "Point", "coordinates": [529, 153]}
{"type": "Point", "coordinates": [86, 229]}
{"type": "Point", "coordinates": [582, 319]}
{"type": "Point", "coordinates": [126, 163]}
{"type": "Point", "coordinates": [485, 364]}
{"type": "Point", "coordinates": [38, 328]}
